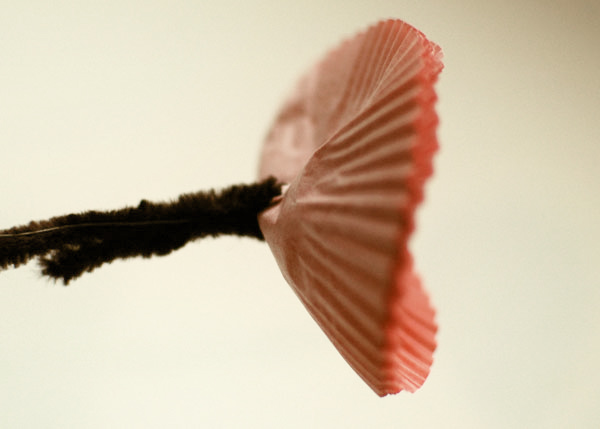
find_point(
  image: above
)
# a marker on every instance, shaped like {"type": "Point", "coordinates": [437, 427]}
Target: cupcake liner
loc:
{"type": "Point", "coordinates": [355, 142]}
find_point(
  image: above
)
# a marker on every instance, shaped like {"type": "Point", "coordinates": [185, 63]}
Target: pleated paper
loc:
{"type": "Point", "coordinates": [355, 142]}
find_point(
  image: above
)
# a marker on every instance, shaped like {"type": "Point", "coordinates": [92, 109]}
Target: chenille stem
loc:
{"type": "Point", "coordinates": [67, 246]}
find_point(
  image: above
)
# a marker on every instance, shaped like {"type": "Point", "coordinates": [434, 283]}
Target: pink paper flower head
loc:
{"type": "Point", "coordinates": [355, 141]}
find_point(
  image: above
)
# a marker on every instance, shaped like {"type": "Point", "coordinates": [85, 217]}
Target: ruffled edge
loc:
{"type": "Point", "coordinates": [411, 327]}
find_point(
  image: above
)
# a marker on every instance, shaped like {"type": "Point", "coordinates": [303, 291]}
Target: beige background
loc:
{"type": "Point", "coordinates": [104, 103]}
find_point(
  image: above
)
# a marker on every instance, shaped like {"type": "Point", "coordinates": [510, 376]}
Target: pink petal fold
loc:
{"type": "Point", "coordinates": [355, 141]}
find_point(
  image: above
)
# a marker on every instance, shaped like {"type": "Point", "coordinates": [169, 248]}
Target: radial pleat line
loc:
{"type": "Point", "coordinates": [415, 345]}
{"type": "Point", "coordinates": [394, 50]}
{"type": "Point", "coordinates": [394, 137]}
{"type": "Point", "coordinates": [401, 368]}
{"type": "Point", "coordinates": [367, 59]}
{"type": "Point", "coordinates": [342, 291]}
{"type": "Point", "coordinates": [390, 155]}
{"type": "Point", "coordinates": [382, 152]}
{"type": "Point", "coordinates": [415, 327]}
{"type": "Point", "coordinates": [369, 359]}
{"type": "Point", "coordinates": [367, 205]}
{"type": "Point", "coordinates": [379, 48]}
{"type": "Point", "coordinates": [404, 364]}
{"type": "Point", "coordinates": [373, 237]}
{"type": "Point", "coordinates": [407, 52]}
{"type": "Point", "coordinates": [376, 238]}
{"type": "Point", "coordinates": [361, 70]}
{"type": "Point", "coordinates": [390, 89]}
{"type": "Point", "coordinates": [424, 337]}
{"type": "Point", "coordinates": [371, 46]}
{"type": "Point", "coordinates": [370, 375]}
{"type": "Point", "coordinates": [399, 73]}
{"type": "Point", "coordinates": [386, 52]}
{"type": "Point", "coordinates": [407, 63]}
{"type": "Point", "coordinates": [418, 365]}
{"type": "Point", "coordinates": [399, 102]}
{"type": "Point", "coordinates": [395, 81]}
{"type": "Point", "coordinates": [373, 234]}
{"type": "Point", "coordinates": [362, 184]}
{"type": "Point", "coordinates": [410, 336]}
{"type": "Point", "coordinates": [408, 379]}
{"type": "Point", "coordinates": [389, 97]}
{"type": "Point", "coordinates": [343, 106]}
{"type": "Point", "coordinates": [365, 283]}
{"type": "Point", "coordinates": [407, 308]}
{"type": "Point", "coordinates": [419, 319]}
{"type": "Point", "coordinates": [404, 40]}
{"type": "Point", "coordinates": [392, 111]}
{"type": "Point", "coordinates": [391, 185]}
{"type": "Point", "coordinates": [402, 377]}
{"type": "Point", "coordinates": [394, 121]}
{"type": "Point", "coordinates": [361, 129]}
{"type": "Point", "coordinates": [410, 360]}
{"type": "Point", "coordinates": [383, 225]}
{"type": "Point", "coordinates": [396, 162]}
{"type": "Point", "coordinates": [371, 371]}
{"type": "Point", "coordinates": [395, 46]}
{"type": "Point", "coordinates": [356, 80]}
{"type": "Point", "coordinates": [409, 325]}
{"type": "Point", "coordinates": [415, 365]}
{"type": "Point", "coordinates": [344, 327]}
{"type": "Point", "coordinates": [405, 331]}
{"type": "Point", "coordinates": [374, 274]}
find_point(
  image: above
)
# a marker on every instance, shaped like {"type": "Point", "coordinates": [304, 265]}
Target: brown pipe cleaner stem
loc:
{"type": "Point", "coordinates": [67, 246]}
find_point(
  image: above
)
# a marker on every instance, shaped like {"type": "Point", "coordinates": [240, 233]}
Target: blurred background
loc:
{"type": "Point", "coordinates": [103, 103]}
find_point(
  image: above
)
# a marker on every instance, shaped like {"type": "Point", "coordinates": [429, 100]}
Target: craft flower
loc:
{"type": "Point", "coordinates": [354, 142]}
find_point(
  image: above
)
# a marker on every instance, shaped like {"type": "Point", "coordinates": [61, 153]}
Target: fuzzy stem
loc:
{"type": "Point", "coordinates": [67, 246]}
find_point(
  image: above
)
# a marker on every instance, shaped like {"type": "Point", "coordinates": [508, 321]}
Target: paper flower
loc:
{"type": "Point", "coordinates": [353, 146]}
{"type": "Point", "coordinates": [355, 142]}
